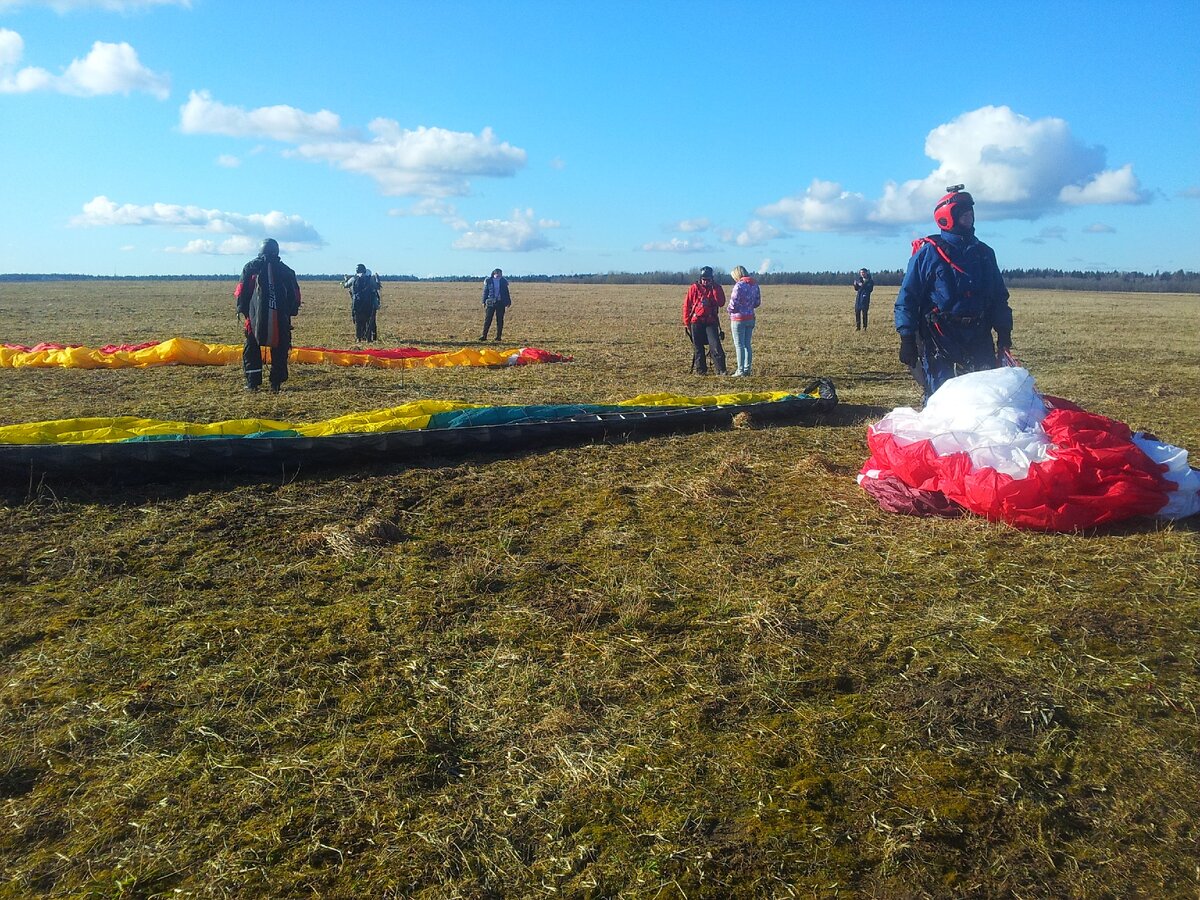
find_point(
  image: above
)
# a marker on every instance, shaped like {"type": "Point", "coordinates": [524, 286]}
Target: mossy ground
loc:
{"type": "Point", "coordinates": [696, 665]}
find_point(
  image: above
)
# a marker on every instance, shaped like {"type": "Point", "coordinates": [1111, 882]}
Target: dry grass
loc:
{"type": "Point", "coordinates": [700, 665]}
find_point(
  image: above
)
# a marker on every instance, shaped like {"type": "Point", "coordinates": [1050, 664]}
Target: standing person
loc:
{"type": "Point", "coordinates": [496, 300]}
{"type": "Point", "coordinates": [863, 285]}
{"type": "Point", "coordinates": [953, 297]}
{"type": "Point", "coordinates": [744, 299]}
{"type": "Point", "coordinates": [364, 287]}
{"type": "Point", "coordinates": [700, 307]}
{"type": "Point", "coordinates": [268, 295]}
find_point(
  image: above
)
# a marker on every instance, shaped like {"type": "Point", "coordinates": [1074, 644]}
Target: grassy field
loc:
{"type": "Point", "coordinates": [703, 665]}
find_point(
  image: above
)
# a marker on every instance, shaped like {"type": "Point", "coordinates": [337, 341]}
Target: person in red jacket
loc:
{"type": "Point", "coordinates": [700, 307]}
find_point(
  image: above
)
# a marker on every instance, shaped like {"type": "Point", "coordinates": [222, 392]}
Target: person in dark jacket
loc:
{"type": "Point", "coordinates": [364, 289]}
{"type": "Point", "coordinates": [953, 297]}
{"type": "Point", "coordinates": [863, 285]}
{"type": "Point", "coordinates": [268, 296]}
{"type": "Point", "coordinates": [700, 306]}
{"type": "Point", "coordinates": [496, 300]}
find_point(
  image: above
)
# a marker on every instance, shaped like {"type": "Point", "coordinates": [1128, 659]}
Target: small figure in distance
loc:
{"type": "Point", "coordinates": [364, 288]}
{"type": "Point", "coordinates": [268, 296]}
{"type": "Point", "coordinates": [700, 306]}
{"type": "Point", "coordinates": [863, 285]}
{"type": "Point", "coordinates": [951, 300]}
{"type": "Point", "coordinates": [496, 300]}
{"type": "Point", "coordinates": [744, 299]}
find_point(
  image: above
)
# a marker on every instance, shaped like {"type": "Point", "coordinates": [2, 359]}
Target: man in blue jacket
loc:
{"type": "Point", "coordinates": [953, 297]}
{"type": "Point", "coordinates": [495, 301]}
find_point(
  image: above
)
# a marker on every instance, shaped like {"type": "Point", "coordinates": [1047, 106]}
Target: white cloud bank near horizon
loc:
{"type": "Point", "coordinates": [520, 234]}
{"type": "Point", "coordinates": [1015, 168]}
{"type": "Point", "coordinates": [107, 69]}
{"type": "Point", "coordinates": [240, 233]}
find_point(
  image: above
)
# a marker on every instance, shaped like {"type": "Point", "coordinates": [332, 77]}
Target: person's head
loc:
{"type": "Point", "coordinates": [956, 211]}
{"type": "Point", "coordinates": [496, 273]}
{"type": "Point", "coordinates": [360, 268]}
{"type": "Point", "coordinates": [706, 274]}
{"type": "Point", "coordinates": [269, 249]}
{"type": "Point", "coordinates": [863, 272]}
{"type": "Point", "coordinates": [739, 272]}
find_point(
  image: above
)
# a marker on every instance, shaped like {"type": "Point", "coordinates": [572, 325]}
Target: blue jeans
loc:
{"type": "Point", "coordinates": [743, 331]}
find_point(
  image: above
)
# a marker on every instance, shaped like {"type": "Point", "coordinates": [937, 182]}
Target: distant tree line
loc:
{"type": "Point", "coordinates": [1180, 281]}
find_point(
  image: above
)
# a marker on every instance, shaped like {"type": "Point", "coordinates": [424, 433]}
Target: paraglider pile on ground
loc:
{"type": "Point", "coordinates": [185, 352]}
{"type": "Point", "coordinates": [990, 444]}
{"type": "Point", "coordinates": [130, 446]}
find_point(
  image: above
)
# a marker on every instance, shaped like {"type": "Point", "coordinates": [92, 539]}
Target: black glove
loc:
{"type": "Point", "coordinates": [1003, 340]}
{"type": "Point", "coordinates": [908, 350]}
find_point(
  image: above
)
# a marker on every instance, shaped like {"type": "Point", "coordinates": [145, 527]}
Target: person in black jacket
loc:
{"type": "Point", "coordinates": [364, 288]}
{"type": "Point", "coordinates": [863, 285]}
{"type": "Point", "coordinates": [495, 301]}
{"type": "Point", "coordinates": [268, 296]}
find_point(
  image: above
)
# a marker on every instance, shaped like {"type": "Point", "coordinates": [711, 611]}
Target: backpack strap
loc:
{"type": "Point", "coordinates": [939, 244]}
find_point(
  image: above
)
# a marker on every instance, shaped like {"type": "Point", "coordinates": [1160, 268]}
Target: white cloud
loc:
{"type": "Point", "coordinates": [765, 266]}
{"type": "Point", "coordinates": [677, 245]}
{"type": "Point", "coordinates": [228, 162]}
{"type": "Point", "coordinates": [518, 235]}
{"type": "Point", "coordinates": [692, 225]}
{"type": "Point", "coordinates": [558, 163]}
{"type": "Point", "coordinates": [1014, 166]}
{"type": "Point", "coordinates": [292, 232]}
{"type": "Point", "coordinates": [107, 69]}
{"type": "Point", "coordinates": [1191, 193]}
{"type": "Point", "coordinates": [1118, 186]}
{"type": "Point", "coordinates": [204, 115]}
{"type": "Point", "coordinates": [757, 232]}
{"type": "Point", "coordinates": [119, 6]}
{"type": "Point", "coordinates": [421, 162]}
{"type": "Point", "coordinates": [238, 245]}
{"type": "Point", "coordinates": [824, 206]}
{"type": "Point", "coordinates": [1099, 228]}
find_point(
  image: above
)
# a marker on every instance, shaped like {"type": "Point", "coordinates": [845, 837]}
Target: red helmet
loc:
{"type": "Point", "coordinates": [948, 210]}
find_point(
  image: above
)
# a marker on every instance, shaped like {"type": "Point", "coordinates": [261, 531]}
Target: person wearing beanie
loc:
{"type": "Point", "coordinates": [268, 296]}
{"type": "Point", "coordinates": [743, 301]}
{"type": "Point", "coordinates": [952, 299]}
{"type": "Point", "coordinates": [700, 306]}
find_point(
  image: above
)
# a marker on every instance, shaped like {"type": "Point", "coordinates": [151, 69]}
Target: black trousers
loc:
{"type": "Point", "coordinates": [498, 312]}
{"type": "Point", "coordinates": [711, 335]}
{"type": "Point", "coordinates": [252, 362]}
{"type": "Point", "coordinates": [860, 314]}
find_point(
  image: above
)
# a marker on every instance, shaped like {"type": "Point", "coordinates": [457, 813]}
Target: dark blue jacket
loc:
{"type": "Point", "coordinates": [493, 298]}
{"type": "Point", "coordinates": [977, 293]}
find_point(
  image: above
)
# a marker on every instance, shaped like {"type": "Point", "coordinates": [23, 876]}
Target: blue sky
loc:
{"type": "Point", "coordinates": [167, 136]}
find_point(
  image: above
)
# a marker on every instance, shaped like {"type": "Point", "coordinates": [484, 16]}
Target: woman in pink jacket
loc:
{"type": "Point", "coordinates": [745, 298]}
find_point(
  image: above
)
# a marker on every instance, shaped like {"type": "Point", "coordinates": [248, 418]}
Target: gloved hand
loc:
{"type": "Point", "coordinates": [1003, 340]}
{"type": "Point", "coordinates": [908, 350]}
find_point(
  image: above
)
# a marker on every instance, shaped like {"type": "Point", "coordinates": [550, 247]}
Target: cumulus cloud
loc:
{"type": "Point", "coordinates": [204, 115]}
{"type": "Point", "coordinates": [1099, 228]}
{"type": "Point", "coordinates": [757, 232]}
{"type": "Point", "coordinates": [107, 69]}
{"type": "Point", "coordinates": [1014, 166]}
{"type": "Point", "coordinates": [118, 6]}
{"type": "Point", "coordinates": [238, 245]}
{"type": "Point", "coordinates": [420, 162]}
{"type": "Point", "coordinates": [240, 231]}
{"type": "Point", "coordinates": [692, 225]}
{"type": "Point", "coordinates": [228, 162]}
{"type": "Point", "coordinates": [677, 245]}
{"type": "Point", "coordinates": [765, 266]}
{"type": "Point", "coordinates": [519, 234]}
